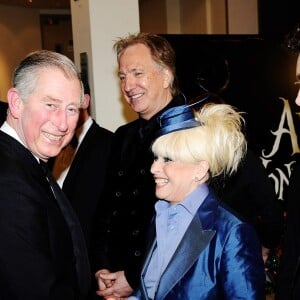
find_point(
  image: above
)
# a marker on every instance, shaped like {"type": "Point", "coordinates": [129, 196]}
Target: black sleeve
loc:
{"type": "Point", "coordinates": [251, 193]}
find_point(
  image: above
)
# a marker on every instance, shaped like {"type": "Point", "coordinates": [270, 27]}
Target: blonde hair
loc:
{"type": "Point", "coordinates": [219, 140]}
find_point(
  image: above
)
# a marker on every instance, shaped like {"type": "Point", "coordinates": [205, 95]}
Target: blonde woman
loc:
{"type": "Point", "coordinates": [200, 249]}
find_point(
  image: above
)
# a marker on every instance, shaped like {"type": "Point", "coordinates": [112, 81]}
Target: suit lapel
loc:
{"type": "Point", "coordinates": [192, 244]}
{"type": "Point", "coordinates": [79, 246]}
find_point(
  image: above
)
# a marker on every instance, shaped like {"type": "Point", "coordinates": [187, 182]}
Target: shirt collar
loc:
{"type": "Point", "coordinates": [81, 131]}
{"type": "Point", "coordinates": [11, 132]}
{"type": "Point", "coordinates": [191, 203]}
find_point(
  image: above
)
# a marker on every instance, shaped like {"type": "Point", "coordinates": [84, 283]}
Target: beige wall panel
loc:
{"type": "Point", "coordinates": [216, 17]}
{"type": "Point", "coordinates": [242, 17]}
{"type": "Point", "coordinates": [19, 35]}
{"type": "Point", "coordinates": [193, 16]}
{"type": "Point", "coordinates": [153, 16]}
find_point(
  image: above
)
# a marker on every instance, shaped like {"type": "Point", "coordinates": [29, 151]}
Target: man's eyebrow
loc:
{"type": "Point", "coordinates": [130, 71]}
{"type": "Point", "coordinates": [49, 98]}
{"type": "Point", "coordinates": [58, 101]}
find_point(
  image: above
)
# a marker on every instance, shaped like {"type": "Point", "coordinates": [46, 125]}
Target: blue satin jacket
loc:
{"type": "Point", "coordinates": [219, 257]}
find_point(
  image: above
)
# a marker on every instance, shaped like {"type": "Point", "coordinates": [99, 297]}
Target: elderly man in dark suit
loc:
{"type": "Point", "coordinates": [42, 250]}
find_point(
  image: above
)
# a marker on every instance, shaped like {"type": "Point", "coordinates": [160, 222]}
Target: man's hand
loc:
{"type": "Point", "coordinates": [102, 283]}
{"type": "Point", "coordinates": [112, 285]}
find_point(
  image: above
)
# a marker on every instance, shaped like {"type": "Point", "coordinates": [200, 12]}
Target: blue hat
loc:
{"type": "Point", "coordinates": [177, 118]}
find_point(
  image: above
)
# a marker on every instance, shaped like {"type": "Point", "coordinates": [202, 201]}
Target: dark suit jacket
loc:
{"type": "Point", "coordinates": [259, 205]}
{"type": "Point", "coordinates": [289, 272]}
{"type": "Point", "coordinates": [36, 250]}
{"type": "Point", "coordinates": [84, 182]}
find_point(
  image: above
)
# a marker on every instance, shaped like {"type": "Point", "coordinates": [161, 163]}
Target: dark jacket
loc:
{"type": "Point", "coordinates": [289, 271]}
{"type": "Point", "coordinates": [128, 200]}
{"type": "Point", "coordinates": [85, 179]}
{"type": "Point", "coordinates": [251, 193]}
{"type": "Point", "coordinates": [36, 248]}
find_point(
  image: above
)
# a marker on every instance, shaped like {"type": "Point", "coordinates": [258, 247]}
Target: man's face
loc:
{"type": "Point", "coordinates": [145, 84]}
{"type": "Point", "coordinates": [298, 80]}
{"type": "Point", "coordinates": [47, 120]}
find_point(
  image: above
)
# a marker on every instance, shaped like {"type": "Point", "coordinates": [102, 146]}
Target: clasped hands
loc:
{"type": "Point", "coordinates": [112, 286]}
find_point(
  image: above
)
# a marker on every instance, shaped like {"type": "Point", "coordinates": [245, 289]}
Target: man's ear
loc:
{"type": "Point", "coordinates": [86, 103]}
{"type": "Point", "coordinates": [167, 78]}
{"type": "Point", "coordinates": [14, 102]}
